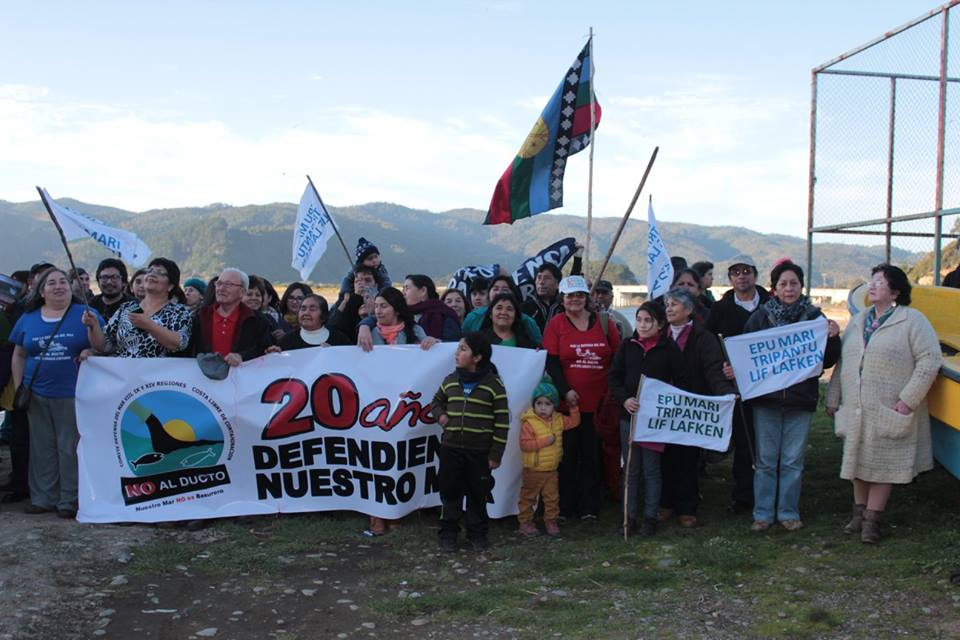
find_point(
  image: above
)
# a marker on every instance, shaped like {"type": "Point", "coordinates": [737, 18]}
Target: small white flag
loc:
{"type": "Point", "coordinates": [125, 244]}
{"type": "Point", "coordinates": [313, 229]}
{"type": "Point", "coordinates": [659, 267]}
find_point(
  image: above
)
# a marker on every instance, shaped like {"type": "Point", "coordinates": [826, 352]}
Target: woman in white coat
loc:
{"type": "Point", "coordinates": [877, 396]}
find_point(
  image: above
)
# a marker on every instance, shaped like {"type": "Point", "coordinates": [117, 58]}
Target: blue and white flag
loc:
{"type": "Point", "coordinates": [777, 358]}
{"type": "Point", "coordinates": [124, 244]}
{"type": "Point", "coordinates": [659, 267]}
{"type": "Point", "coordinates": [313, 229]}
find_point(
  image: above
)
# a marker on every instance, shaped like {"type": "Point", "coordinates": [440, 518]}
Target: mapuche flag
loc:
{"type": "Point", "coordinates": [533, 183]}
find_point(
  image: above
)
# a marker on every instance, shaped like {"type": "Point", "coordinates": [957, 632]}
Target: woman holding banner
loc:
{"type": "Point", "coordinates": [499, 285]}
{"type": "Point", "coordinates": [395, 323]}
{"type": "Point", "coordinates": [502, 324]}
{"type": "Point", "coordinates": [433, 317]}
{"type": "Point", "coordinates": [312, 331]}
{"type": "Point", "coordinates": [49, 337]}
{"type": "Point", "coordinates": [395, 326]}
{"type": "Point", "coordinates": [579, 353]}
{"type": "Point", "coordinates": [648, 352]}
{"type": "Point", "coordinates": [703, 362]}
{"type": "Point", "coordinates": [782, 418]}
{"type": "Point", "coordinates": [877, 396]}
{"type": "Point", "coordinates": [155, 327]}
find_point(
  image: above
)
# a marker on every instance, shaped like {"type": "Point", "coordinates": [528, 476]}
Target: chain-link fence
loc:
{"type": "Point", "coordinates": [885, 145]}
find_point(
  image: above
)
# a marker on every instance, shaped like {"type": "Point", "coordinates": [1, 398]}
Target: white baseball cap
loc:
{"type": "Point", "coordinates": [574, 284]}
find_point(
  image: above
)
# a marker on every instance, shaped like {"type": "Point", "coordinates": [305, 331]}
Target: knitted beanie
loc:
{"type": "Point", "coordinates": [364, 249]}
{"type": "Point", "coordinates": [546, 389]}
{"type": "Point", "coordinates": [197, 284]}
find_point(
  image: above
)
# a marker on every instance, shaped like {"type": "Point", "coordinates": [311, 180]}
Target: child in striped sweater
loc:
{"type": "Point", "coordinates": [471, 407]}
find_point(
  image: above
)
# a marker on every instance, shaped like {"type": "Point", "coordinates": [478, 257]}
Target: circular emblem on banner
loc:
{"type": "Point", "coordinates": [169, 431]}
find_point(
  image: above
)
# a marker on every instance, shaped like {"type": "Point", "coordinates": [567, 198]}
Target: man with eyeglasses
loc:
{"type": "Point", "coordinates": [727, 318]}
{"type": "Point", "coordinates": [228, 327]}
{"type": "Point", "coordinates": [112, 280]}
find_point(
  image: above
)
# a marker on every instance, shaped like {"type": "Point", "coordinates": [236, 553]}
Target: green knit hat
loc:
{"type": "Point", "coordinates": [546, 389]}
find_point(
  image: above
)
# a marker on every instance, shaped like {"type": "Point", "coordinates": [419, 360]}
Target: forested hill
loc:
{"type": "Point", "coordinates": [258, 239]}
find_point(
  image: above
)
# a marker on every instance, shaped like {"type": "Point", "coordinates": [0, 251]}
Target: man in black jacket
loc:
{"type": "Point", "coordinates": [351, 308]}
{"type": "Point", "coordinates": [728, 316]}
{"type": "Point", "coordinates": [546, 301]}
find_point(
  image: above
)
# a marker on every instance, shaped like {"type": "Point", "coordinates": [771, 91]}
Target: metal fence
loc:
{"type": "Point", "coordinates": [885, 143]}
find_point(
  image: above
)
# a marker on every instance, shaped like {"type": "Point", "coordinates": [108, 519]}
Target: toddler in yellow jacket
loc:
{"type": "Point", "coordinates": [541, 441]}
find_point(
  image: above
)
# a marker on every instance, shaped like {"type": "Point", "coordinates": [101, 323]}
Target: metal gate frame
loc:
{"type": "Point", "coordinates": [938, 212]}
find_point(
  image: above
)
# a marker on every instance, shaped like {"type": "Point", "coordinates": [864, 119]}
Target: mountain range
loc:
{"type": "Point", "coordinates": [258, 239]}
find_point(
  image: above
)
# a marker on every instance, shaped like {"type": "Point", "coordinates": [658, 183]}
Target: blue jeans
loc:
{"type": "Point", "coordinates": [781, 443]}
{"type": "Point", "coordinates": [642, 461]}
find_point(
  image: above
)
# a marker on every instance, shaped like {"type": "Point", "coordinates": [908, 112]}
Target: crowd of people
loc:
{"type": "Point", "coordinates": [575, 436]}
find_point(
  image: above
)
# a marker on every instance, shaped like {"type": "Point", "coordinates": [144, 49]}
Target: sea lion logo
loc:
{"type": "Point", "coordinates": [167, 430]}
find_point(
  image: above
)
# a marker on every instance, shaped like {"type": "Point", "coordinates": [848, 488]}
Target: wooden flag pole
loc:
{"type": "Point", "coordinates": [593, 144]}
{"type": "Point", "coordinates": [63, 241]}
{"type": "Point", "coordinates": [335, 230]}
{"type": "Point", "coordinates": [626, 470]}
{"type": "Point", "coordinates": [626, 216]}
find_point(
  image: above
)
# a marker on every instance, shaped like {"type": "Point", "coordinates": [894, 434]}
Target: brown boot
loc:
{"type": "Point", "coordinates": [870, 528]}
{"type": "Point", "coordinates": [856, 521]}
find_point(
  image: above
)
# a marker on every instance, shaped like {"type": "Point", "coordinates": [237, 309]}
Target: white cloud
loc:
{"type": "Point", "coordinates": [129, 160]}
{"type": "Point", "coordinates": [22, 92]}
{"type": "Point", "coordinates": [724, 158]}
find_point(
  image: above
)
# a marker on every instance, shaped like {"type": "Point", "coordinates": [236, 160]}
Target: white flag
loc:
{"type": "Point", "coordinates": [671, 415]}
{"type": "Point", "coordinates": [777, 358]}
{"type": "Point", "coordinates": [659, 267]}
{"type": "Point", "coordinates": [125, 244]}
{"type": "Point", "coordinates": [310, 235]}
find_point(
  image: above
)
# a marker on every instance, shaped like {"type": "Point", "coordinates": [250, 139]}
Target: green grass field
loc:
{"type": "Point", "coordinates": [717, 580]}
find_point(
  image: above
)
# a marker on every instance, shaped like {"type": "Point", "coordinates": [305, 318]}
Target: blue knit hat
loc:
{"type": "Point", "coordinates": [197, 284]}
{"type": "Point", "coordinates": [364, 249]}
{"type": "Point", "coordinates": [546, 389]}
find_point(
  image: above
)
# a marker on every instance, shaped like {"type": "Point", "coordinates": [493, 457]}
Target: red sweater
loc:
{"type": "Point", "coordinates": [585, 356]}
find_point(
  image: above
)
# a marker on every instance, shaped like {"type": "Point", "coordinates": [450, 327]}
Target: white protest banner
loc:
{"type": "Point", "coordinates": [659, 267]}
{"type": "Point", "coordinates": [124, 244]}
{"type": "Point", "coordinates": [674, 416]}
{"type": "Point", "coordinates": [314, 227]}
{"type": "Point", "coordinates": [774, 359]}
{"type": "Point", "coordinates": [311, 430]}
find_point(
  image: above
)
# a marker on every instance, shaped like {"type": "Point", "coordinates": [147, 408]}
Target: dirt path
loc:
{"type": "Point", "coordinates": [52, 573]}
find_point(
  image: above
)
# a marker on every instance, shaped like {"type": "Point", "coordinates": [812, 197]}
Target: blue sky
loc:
{"type": "Point", "coordinates": [424, 104]}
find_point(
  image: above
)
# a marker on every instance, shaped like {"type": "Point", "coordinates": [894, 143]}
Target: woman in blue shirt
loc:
{"type": "Point", "coordinates": [49, 337]}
